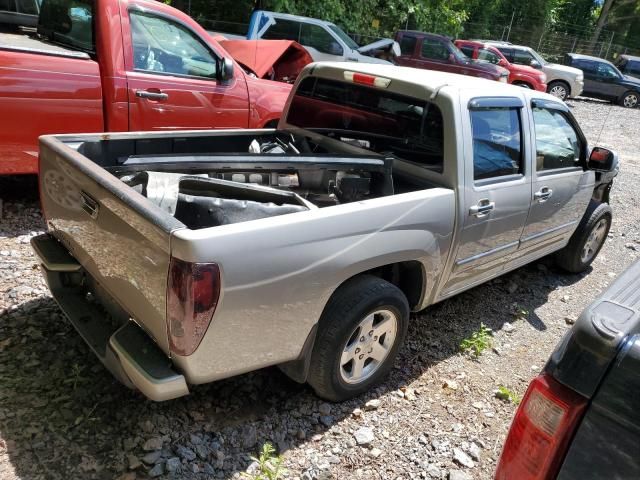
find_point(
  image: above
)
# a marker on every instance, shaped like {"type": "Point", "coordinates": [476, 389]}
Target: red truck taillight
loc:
{"type": "Point", "coordinates": [541, 430]}
{"type": "Point", "coordinates": [193, 291]}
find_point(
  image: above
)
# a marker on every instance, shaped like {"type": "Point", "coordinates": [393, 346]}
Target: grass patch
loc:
{"type": "Point", "coordinates": [478, 342]}
{"type": "Point", "coordinates": [508, 395]}
{"type": "Point", "coordinates": [269, 465]}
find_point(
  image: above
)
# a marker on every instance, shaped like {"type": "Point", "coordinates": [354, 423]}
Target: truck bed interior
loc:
{"type": "Point", "coordinates": [203, 181]}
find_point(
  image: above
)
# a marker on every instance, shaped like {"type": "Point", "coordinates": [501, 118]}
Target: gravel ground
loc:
{"type": "Point", "coordinates": [63, 416]}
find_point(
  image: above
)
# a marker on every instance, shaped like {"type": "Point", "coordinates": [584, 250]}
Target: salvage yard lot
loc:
{"type": "Point", "coordinates": [62, 415]}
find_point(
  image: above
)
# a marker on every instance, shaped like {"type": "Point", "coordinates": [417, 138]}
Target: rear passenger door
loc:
{"type": "Point", "coordinates": [562, 187]}
{"type": "Point", "coordinates": [496, 193]}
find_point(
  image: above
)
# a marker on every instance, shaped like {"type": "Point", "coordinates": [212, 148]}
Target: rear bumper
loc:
{"type": "Point", "coordinates": [125, 350]}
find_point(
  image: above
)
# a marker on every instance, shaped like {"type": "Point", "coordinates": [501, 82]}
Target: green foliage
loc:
{"type": "Point", "coordinates": [519, 312]}
{"type": "Point", "coordinates": [478, 342]}
{"type": "Point", "coordinates": [269, 465]}
{"type": "Point", "coordinates": [507, 395]}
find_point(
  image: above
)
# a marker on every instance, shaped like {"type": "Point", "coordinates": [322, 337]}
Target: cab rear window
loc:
{"type": "Point", "coordinates": [375, 119]}
{"type": "Point", "coordinates": [69, 23]}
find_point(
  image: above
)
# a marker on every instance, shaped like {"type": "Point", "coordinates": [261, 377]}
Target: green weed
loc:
{"type": "Point", "coordinates": [269, 465]}
{"type": "Point", "coordinates": [478, 343]}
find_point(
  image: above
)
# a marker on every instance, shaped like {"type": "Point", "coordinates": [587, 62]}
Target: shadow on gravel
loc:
{"type": "Point", "coordinates": [63, 416]}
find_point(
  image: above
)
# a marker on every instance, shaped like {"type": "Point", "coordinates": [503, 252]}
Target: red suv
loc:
{"type": "Point", "coordinates": [522, 75]}
{"type": "Point", "coordinates": [435, 52]}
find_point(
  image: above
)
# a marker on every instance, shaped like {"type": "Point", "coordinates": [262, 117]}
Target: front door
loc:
{"type": "Point", "coordinates": [434, 55]}
{"type": "Point", "coordinates": [172, 79]}
{"type": "Point", "coordinates": [497, 191]}
{"type": "Point", "coordinates": [562, 187]}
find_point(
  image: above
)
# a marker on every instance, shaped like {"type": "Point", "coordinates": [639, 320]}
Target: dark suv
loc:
{"type": "Point", "coordinates": [629, 65]}
{"type": "Point", "coordinates": [580, 419]}
{"type": "Point", "coordinates": [603, 80]}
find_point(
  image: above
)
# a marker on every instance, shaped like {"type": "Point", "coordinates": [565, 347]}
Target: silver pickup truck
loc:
{"type": "Point", "coordinates": [187, 257]}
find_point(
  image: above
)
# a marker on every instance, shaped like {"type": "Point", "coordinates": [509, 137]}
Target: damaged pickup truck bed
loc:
{"type": "Point", "coordinates": [187, 257]}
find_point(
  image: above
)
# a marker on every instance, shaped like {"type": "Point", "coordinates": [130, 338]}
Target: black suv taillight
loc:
{"type": "Point", "coordinates": [541, 430]}
{"type": "Point", "coordinates": [193, 291]}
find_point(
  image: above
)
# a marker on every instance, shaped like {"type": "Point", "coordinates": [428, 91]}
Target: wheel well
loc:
{"type": "Point", "coordinates": [407, 276]}
{"type": "Point", "coordinates": [522, 82]}
{"type": "Point", "coordinates": [563, 82]}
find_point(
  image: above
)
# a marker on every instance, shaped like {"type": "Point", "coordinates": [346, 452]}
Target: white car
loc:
{"type": "Point", "coordinates": [324, 40]}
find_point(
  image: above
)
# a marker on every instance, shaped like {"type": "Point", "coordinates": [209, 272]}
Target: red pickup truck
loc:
{"type": "Point", "coordinates": [436, 52]}
{"type": "Point", "coordinates": [521, 75]}
{"type": "Point", "coordinates": [121, 65]}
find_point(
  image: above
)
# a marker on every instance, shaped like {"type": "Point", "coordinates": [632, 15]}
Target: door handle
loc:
{"type": "Point", "coordinates": [151, 95]}
{"type": "Point", "coordinates": [482, 209]}
{"type": "Point", "coordinates": [543, 194]}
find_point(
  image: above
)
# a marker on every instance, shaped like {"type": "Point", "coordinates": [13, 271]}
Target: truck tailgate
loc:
{"type": "Point", "coordinates": [121, 240]}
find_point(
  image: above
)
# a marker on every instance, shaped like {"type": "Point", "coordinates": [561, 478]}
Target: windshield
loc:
{"type": "Point", "coordinates": [344, 37]}
{"type": "Point", "coordinates": [377, 120]}
{"type": "Point", "coordinates": [460, 56]}
{"type": "Point", "coordinates": [538, 57]}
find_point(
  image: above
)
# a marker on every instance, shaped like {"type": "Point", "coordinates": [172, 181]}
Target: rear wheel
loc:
{"type": "Point", "coordinates": [360, 333]}
{"type": "Point", "coordinates": [630, 100]}
{"type": "Point", "coordinates": [587, 240]}
{"type": "Point", "coordinates": [558, 89]}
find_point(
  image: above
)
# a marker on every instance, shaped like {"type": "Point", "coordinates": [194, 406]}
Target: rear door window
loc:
{"type": "Point", "coordinates": [497, 142]}
{"type": "Point", "coordinates": [507, 52]}
{"type": "Point", "coordinates": [408, 45]}
{"type": "Point", "coordinates": [374, 119]}
{"type": "Point", "coordinates": [522, 57]}
{"type": "Point", "coordinates": [283, 30]}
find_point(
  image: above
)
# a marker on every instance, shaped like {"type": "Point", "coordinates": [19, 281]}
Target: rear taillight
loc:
{"type": "Point", "coordinates": [541, 430]}
{"type": "Point", "coordinates": [193, 290]}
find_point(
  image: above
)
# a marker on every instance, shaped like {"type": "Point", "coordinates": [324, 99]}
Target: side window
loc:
{"type": "Point", "coordinates": [318, 38]}
{"type": "Point", "coordinates": [557, 143]}
{"type": "Point", "coordinates": [497, 142]}
{"type": "Point", "coordinates": [283, 30]}
{"type": "Point", "coordinates": [633, 68]}
{"type": "Point", "coordinates": [162, 46]}
{"type": "Point", "coordinates": [408, 45]}
{"type": "Point", "coordinates": [522, 57]}
{"type": "Point", "coordinates": [488, 56]}
{"type": "Point", "coordinates": [586, 66]}
{"type": "Point", "coordinates": [468, 51]}
{"type": "Point", "coordinates": [434, 49]}
{"type": "Point", "coordinates": [606, 71]}
{"type": "Point", "coordinates": [508, 53]}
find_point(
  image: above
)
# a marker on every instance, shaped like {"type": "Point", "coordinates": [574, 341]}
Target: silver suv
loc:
{"type": "Point", "coordinates": [562, 81]}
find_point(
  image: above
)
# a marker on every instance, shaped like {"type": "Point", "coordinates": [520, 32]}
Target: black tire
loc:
{"type": "Point", "coordinates": [630, 100]}
{"type": "Point", "coordinates": [559, 89]}
{"type": "Point", "coordinates": [348, 306]}
{"type": "Point", "coordinates": [571, 257]}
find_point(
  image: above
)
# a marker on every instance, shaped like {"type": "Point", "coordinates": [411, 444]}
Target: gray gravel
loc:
{"type": "Point", "coordinates": [437, 416]}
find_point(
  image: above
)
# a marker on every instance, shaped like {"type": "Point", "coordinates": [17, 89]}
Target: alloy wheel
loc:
{"type": "Point", "coordinates": [368, 346]}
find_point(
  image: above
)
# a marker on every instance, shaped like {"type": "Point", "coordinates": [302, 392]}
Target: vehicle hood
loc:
{"type": "Point", "coordinates": [385, 44]}
{"type": "Point", "coordinates": [280, 60]}
{"type": "Point", "coordinates": [564, 68]}
{"type": "Point", "coordinates": [629, 80]}
{"type": "Point", "coordinates": [526, 70]}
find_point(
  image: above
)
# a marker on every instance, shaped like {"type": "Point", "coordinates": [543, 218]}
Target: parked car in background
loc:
{"type": "Point", "coordinates": [580, 418]}
{"type": "Point", "coordinates": [629, 65]}
{"type": "Point", "coordinates": [119, 65]}
{"type": "Point", "coordinates": [19, 12]}
{"type": "Point", "coordinates": [521, 75]}
{"type": "Point", "coordinates": [562, 81]}
{"type": "Point", "coordinates": [383, 190]}
{"type": "Point", "coordinates": [604, 81]}
{"type": "Point", "coordinates": [324, 40]}
{"type": "Point", "coordinates": [437, 52]}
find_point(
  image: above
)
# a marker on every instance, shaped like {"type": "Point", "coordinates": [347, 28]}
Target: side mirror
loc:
{"type": "Point", "coordinates": [225, 70]}
{"type": "Point", "coordinates": [602, 159]}
{"type": "Point", "coordinates": [451, 58]}
{"type": "Point", "coordinates": [502, 62]}
{"type": "Point", "coordinates": [535, 64]}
